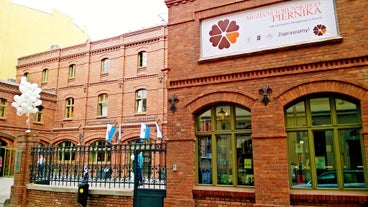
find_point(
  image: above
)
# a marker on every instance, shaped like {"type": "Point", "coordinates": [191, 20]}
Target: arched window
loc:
{"type": "Point", "coordinates": [100, 151]}
{"type": "Point", "coordinates": [140, 100]}
{"type": "Point", "coordinates": [26, 74]}
{"type": "Point", "coordinates": [142, 59]}
{"type": "Point", "coordinates": [325, 143]}
{"type": "Point", "coordinates": [69, 108]}
{"type": "Point", "coordinates": [221, 130]}
{"type": "Point", "coordinates": [102, 105]}
{"type": "Point", "coordinates": [72, 69]}
{"type": "Point", "coordinates": [105, 65]}
{"type": "Point", "coordinates": [38, 116]}
{"type": "Point", "coordinates": [45, 75]}
{"type": "Point", "coordinates": [66, 151]}
{"type": "Point", "coordinates": [3, 103]}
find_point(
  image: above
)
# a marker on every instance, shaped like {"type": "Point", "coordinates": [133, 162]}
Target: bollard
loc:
{"type": "Point", "coordinates": [83, 188]}
{"type": "Point", "coordinates": [83, 193]}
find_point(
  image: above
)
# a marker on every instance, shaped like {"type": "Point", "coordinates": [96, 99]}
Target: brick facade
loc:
{"type": "Point", "coordinates": [331, 67]}
{"type": "Point", "coordinates": [120, 84]}
{"type": "Point", "coordinates": [338, 67]}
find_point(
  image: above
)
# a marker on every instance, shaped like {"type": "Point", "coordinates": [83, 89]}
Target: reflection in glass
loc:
{"type": "Point", "coordinates": [242, 119]}
{"type": "Point", "coordinates": [223, 118]}
{"type": "Point", "coordinates": [352, 161]}
{"type": "Point", "coordinates": [204, 121]}
{"type": "Point", "coordinates": [205, 160]}
{"type": "Point", "coordinates": [224, 146]}
{"type": "Point", "coordinates": [224, 161]}
{"type": "Point", "coordinates": [299, 158]}
{"type": "Point", "coordinates": [335, 147]}
{"type": "Point", "coordinates": [244, 160]}
{"type": "Point", "coordinates": [295, 115]}
{"type": "Point", "coordinates": [346, 112]}
{"type": "Point", "coordinates": [320, 108]}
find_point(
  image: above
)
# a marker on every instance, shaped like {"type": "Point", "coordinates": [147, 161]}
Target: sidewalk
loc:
{"type": "Point", "coordinates": [5, 185]}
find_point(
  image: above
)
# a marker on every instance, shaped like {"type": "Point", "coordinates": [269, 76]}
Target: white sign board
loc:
{"type": "Point", "coordinates": [269, 27]}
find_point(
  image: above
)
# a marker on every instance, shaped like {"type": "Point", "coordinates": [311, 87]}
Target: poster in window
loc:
{"type": "Point", "coordinates": [248, 163]}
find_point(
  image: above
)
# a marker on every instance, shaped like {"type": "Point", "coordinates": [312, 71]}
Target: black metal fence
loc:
{"type": "Point", "coordinates": [107, 166]}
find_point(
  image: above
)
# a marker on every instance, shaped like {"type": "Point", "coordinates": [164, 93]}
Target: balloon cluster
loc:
{"type": "Point", "coordinates": [28, 101]}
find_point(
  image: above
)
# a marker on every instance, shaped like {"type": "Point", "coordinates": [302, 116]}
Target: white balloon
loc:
{"type": "Point", "coordinates": [38, 102]}
{"type": "Point", "coordinates": [27, 84]}
{"type": "Point", "coordinates": [28, 100]}
{"type": "Point", "coordinates": [29, 109]}
{"type": "Point", "coordinates": [17, 98]}
{"type": "Point", "coordinates": [32, 99]}
{"type": "Point", "coordinates": [15, 104]}
{"type": "Point", "coordinates": [38, 90]}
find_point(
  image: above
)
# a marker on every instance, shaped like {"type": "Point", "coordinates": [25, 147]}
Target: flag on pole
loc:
{"type": "Point", "coordinates": [159, 134]}
{"type": "Point", "coordinates": [120, 131]}
{"type": "Point", "coordinates": [145, 132]}
{"type": "Point", "coordinates": [110, 131]}
{"type": "Point", "coordinates": [118, 135]}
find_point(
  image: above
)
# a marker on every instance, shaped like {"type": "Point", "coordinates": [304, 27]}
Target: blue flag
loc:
{"type": "Point", "coordinates": [145, 132]}
{"type": "Point", "coordinates": [110, 131]}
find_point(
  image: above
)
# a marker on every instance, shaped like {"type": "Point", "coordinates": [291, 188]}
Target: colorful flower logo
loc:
{"type": "Point", "coordinates": [224, 33]}
{"type": "Point", "coordinates": [319, 30]}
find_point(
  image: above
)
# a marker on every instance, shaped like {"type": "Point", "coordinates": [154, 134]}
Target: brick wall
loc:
{"type": "Point", "coordinates": [338, 67]}
{"type": "Point", "coordinates": [120, 84]}
{"type": "Point", "coordinates": [37, 198]}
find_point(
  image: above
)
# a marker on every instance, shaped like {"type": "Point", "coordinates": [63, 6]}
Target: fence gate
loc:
{"type": "Point", "coordinates": [149, 175]}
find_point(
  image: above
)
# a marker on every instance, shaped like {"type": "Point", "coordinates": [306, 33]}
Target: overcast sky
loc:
{"type": "Point", "coordinates": [106, 18]}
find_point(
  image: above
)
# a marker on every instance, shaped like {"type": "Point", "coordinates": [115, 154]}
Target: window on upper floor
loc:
{"type": "Point", "coordinates": [105, 65]}
{"type": "Point", "coordinates": [38, 116]}
{"type": "Point", "coordinates": [72, 69]}
{"type": "Point", "coordinates": [141, 101]}
{"type": "Point", "coordinates": [325, 144]}
{"type": "Point", "coordinates": [69, 108]}
{"type": "Point", "coordinates": [142, 59]}
{"type": "Point", "coordinates": [221, 130]}
{"type": "Point", "coordinates": [66, 151]}
{"type": "Point", "coordinates": [26, 75]}
{"type": "Point", "coordinates": [45, 75]}
{"type": "Point", "coordinates": [3, 103]}
{"type": "Point", "coordinates": [102, 105]}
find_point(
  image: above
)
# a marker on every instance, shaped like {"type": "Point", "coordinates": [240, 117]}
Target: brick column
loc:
{"type": "Point", "coordinates": [25, 141]}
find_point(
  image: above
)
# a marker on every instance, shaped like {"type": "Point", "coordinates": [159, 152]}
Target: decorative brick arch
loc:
{"type": "Point", "coordinates": [332, 86]}
{"type": "Point", "coordinates": [218, 97]}
{"type": "Point", "coordinates": [62, 139]}
{"type": "Point", "coordinates": [7, 137]}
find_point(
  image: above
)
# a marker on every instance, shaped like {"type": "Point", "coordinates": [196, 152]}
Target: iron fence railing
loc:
{"type": "Point", "coordinates": [108, 166]}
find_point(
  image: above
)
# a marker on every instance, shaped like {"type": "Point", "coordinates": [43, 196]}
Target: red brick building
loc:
{"type": "Point", "coordinates": [118, 81]}
{"type": "Point", "coordinates": [269, 103]}
{"type": "Point", "coordinates": [266, 99]}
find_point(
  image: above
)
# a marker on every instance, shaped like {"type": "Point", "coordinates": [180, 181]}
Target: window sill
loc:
{"type": "Point", "coordinates": [314, 197]}
{"type": "Point", "coordinates": [224, 192]}
{"type": "Point", "coordinates": [140, 113]}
